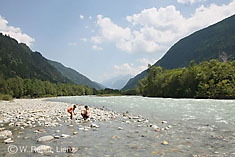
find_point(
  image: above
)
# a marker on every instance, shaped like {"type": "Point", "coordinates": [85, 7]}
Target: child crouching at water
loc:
{"type": "Point", "coordinates": [71, 111]}
{"type": "Point", "coordinates": [85, 113]}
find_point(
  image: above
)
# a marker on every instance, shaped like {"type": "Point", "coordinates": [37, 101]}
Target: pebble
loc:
{"type": "Point", "coordinates": [165, 143]}
{"type": "Point", "coordinates": [45, 138]}
{"type": "Point", "coordinates": [5, 134]}
{"type": "Point", "coordinates": [56, 137]}
{"type": "Point", "coordinates": [9, 140]}
{"type": "Point", "coordinates": [65, 136]}
{"type": "Point", "coordinates": [75, 133]}
{"type": "Point", "coordinates": [133, 117]}
{"type": "Point", "coordinates": [120, 128]}
{"type": "Point", "coordinates": [158, 130]}
{"type": "Point", "coordinates": [94, 126]}
{"type": "Point", "coordinates": [155, 127]}
{"type": "Point", "coordinates": [115, 137]}
{"type": "Point", "coordinates": [41, 130]}
{"type": "Point", "coordinates": [81, 128]}
{"type": "Point", "coordinates": [166, 128]}
{"type": "Point", "coordinates": [164, 122]}
{"type": "Point", "coordinates": [11, 124]}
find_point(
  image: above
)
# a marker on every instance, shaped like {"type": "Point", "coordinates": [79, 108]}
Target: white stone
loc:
{"type": "Point", "coordinates": [120, 128]}
{"type": "Point", "coordinates": [5, 134]}
{"type": "Point", "coordinates": [65, 136]}
{"type": "Point", "coordinates": [81, 128]}
{"type": "Point", "coordinates": [164, 122]}
{"type": "Point", "coordinates": [45, 138]}
{"type": "Point", "coordinates": [155, 127]}
{"type": "Point", "coordinates": [128, 122]}
{"type": "Point", "coordinates": [9, 140]}
{"type": "Point", "coordinates": [11, 124]}
{"type": "Point", "coordinates": [94, 126]}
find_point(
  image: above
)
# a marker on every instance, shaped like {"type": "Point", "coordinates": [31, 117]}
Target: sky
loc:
{"type": "Point", "coordinates": [103, 39]}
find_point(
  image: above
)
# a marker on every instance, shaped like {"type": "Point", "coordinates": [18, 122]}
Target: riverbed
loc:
{"type": "Point", "coordinates": [139, 127]}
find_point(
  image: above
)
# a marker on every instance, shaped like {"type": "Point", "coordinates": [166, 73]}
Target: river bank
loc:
{"type": "Point", "coordinates": [166, 127]}
{"type": "Point", "coordinates": [41, 125]}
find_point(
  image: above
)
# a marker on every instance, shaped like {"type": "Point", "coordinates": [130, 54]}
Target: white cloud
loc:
{"type": "Point", "coordinates": [72, 44]}
{"type": "Point", "coordinates": [154, 30]}
{"type": "Point", "coordinates": [81, 17]}
{"type": "Point", "coordinates": [96, 39]}
{"type": "Point", "coordinates": [130, 69]}
{"type": "Point", "coordinates": [90, 17]}
{"type": "Point", "coordinates": [189, 1]}
{"type": "Point", "coordinates": [84, 39]}
{"type": "Point", "coordinates": [126, 69]}
{"type": "Point", "coordinates": [112, 32]}
{"type": "Point", "coordinates": [15, 32]}
{"type": "Point", "coordinates": [97, 48]}
{"type": "Point", "coordinates": [122, 37]}
{"type": "Point", "coordinates": [146, 61]}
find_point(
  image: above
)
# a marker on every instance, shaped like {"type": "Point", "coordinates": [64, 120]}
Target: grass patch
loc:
{"type": "Point", "coordinates": [5, 97]}
{"type": "Point", "coordinates": [103, 95]}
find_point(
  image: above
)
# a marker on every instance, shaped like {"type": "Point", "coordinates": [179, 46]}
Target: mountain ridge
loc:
{"type": "Point", "coordinates": [18, 60]}
{"type": "Point", "coordinates": [202, 45]}
{"type": "Point", "coordinates": [74, 76]}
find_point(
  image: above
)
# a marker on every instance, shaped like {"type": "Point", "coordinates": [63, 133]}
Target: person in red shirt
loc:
{"type": "Point", "coordinates": [71, 111]}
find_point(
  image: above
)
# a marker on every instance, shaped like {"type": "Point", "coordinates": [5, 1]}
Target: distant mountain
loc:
{"type": "Point", "coordinates": [203, 45]}
{"type": "Point", "coordinates": [100, 85]}
{"type": "Point", "coordinates": [117, 82]}
{"type": "Point", "coordinates": [18, 60]}
{"type": "Point", "coordinates": [75, 76]}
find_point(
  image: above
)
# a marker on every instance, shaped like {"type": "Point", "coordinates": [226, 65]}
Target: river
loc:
{"type": "Point", "coordinates": [199, 127]}
{"type": "Point", "coordinates": [188, 128]}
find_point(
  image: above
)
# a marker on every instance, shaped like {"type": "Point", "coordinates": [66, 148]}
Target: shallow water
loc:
{"type": "Point", "coordinates": [199, 127]}
{"type": "Point", "coordinates": [204, 127]}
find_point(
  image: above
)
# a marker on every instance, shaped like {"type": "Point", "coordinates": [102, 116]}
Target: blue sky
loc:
{"type": "Point", "coordinates": [107, 38]}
